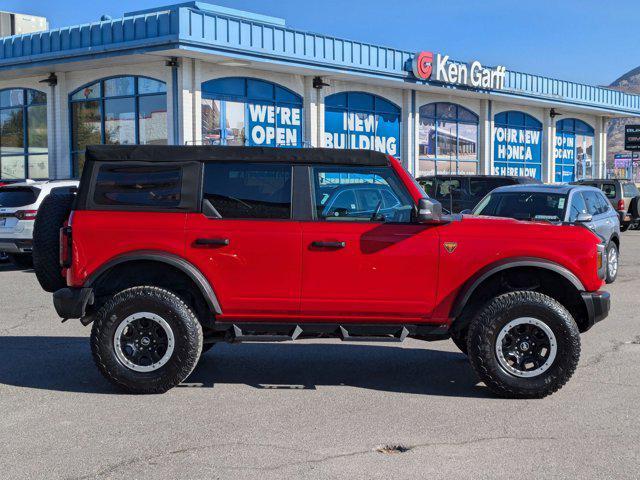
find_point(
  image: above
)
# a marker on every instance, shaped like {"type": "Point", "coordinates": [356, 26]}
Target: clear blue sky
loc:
{"type": "Point", "coordinates": [590, 41]}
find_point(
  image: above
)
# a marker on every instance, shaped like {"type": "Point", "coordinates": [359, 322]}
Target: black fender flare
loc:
{"type": "Point", "coordinates": [175, 261]}
{"type": "Point", "coordinates": [476, 280]}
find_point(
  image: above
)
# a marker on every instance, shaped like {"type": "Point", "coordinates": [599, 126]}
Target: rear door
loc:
{"type": "Point", "coordinates": [245, 241]}
{"type": "Point", "coordinates": [361, 263]}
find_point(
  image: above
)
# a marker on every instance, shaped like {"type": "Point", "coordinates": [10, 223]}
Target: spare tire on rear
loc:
{"type": "Point", "coordinates": [634, 208]}
{"type": "Point", "coordinates": [52, 214]}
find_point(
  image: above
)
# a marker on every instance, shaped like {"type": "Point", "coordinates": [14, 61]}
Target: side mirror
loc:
{"type": "Point", "coordinates": [584, 218]}
{"type": "Point", "coordinates": [429, 211]}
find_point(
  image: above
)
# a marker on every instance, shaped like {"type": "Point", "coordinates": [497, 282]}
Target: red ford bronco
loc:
{"type": "Point", "coordinates": [168, 250]}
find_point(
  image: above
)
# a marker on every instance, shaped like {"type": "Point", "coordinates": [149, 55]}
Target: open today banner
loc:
{"type": "Point", "coordinates": [517, 152]}
{"type": "Point", "coordinates": [565, 156]}
{"type": "Point", "coordinates": [366, 131]}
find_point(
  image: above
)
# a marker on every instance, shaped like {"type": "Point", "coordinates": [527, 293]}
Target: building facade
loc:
{"type": "Point", "coordinates": [194, 74]}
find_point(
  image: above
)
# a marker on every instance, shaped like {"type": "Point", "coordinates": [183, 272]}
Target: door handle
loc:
{"type": "Point", "coordinates": [211, 242]}
{"type": "Point", "coordinates": [321, 244]}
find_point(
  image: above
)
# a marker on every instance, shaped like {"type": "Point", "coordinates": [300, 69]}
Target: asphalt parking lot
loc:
{"type": "Point", "coordinates": [312, 409]}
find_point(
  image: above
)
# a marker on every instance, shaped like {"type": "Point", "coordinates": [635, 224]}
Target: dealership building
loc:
{"type": "Point", "coordinates": [200, 74]}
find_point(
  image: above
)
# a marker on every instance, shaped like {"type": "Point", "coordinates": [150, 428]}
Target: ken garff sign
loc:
{"type": "Point", "coordinates": [445, 71]}
{"type": "Point", "coordinates": [632, 137]}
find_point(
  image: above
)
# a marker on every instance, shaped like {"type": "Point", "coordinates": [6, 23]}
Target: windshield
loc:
{"type": "Point", "coordinates": [18, 196]}
{"type": "Point", "coordinates": [523, 205]}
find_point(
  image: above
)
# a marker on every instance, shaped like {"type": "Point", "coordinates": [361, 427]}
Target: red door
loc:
{"type": "Point", "coordinates": [253, 266]}
{"type": "Point", "coordinates": [385, 271]}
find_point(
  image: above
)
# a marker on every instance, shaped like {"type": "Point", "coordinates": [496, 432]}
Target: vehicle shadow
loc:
{"type": "Point", "coordinates": [12, 267]}
{"type": "Point", "coordinates": [65, 364]}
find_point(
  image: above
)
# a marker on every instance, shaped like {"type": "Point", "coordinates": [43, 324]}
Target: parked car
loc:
{"type": "Point", "coordinates": [168, 250]}
{"type": "Point", "coordinates": [623, 196]}
{"type": "Point", "coordinates": [19, 203]}
{"type": "Point", "coordinates": [559, 203]}
{"type": "Point", "coordinates": [463, 192]}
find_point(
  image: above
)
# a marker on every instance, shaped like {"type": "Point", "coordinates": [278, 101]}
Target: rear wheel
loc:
{"type": "Point", "coordinates": [146, 340]}
{"type": "Point", "coordinates": [524, 345]}
{"type": "Point", "coordinates": [612, 262]}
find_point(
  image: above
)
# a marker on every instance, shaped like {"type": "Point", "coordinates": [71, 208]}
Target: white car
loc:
{"type": "Point", "coordinates": [19, 203]}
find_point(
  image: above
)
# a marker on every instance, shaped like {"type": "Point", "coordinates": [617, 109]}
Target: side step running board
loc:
{"type": "Point", "coordinates": [257, 333]}
{"type": "Point", "coordinates": [395, 337]}
{"type": "Point", "coordinates": [240, 336]}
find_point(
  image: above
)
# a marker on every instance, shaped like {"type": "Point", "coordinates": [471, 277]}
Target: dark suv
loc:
{"type": "Point", "coordinates": [458, 193]}
{"type": "Point", "coordinates": [168, 250]}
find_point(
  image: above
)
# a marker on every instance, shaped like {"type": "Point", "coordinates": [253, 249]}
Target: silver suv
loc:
{"type": "Point", "coordinates": [19, 203]}
{"type": "Point", "coordinates": [623, 196]}
{"type": "Point", "coordinates": [563, 204]}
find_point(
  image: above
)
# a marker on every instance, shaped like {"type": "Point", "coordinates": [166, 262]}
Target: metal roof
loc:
{"type": "Point", "coordinates": [204, 28]}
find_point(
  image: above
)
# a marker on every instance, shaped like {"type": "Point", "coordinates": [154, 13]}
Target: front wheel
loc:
{"type": "Point", "coordinates": [524, 345]}
{"type": "Point", "coordinates": [612, 262]}
{"type": "Point", "coordinates": [146, 340]}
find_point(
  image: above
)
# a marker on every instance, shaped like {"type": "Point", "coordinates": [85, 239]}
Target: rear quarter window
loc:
{"type": "Point", "coordinates": [630, 190]}
{"type": "Point", "coordinates": [138, 185]}
{"type": "Point", "coordinates": [13, 197]}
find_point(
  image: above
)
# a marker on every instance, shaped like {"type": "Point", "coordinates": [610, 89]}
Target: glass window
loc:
{"type": "Point", "coordinates": [609, 190]}
{"type": "Point", "coordinates": [630, 190]}
{"type": "Point", "coordinates": [480, 187]}
{"type": "Point", "coordinates": [517, 147]}
{"type": "Point", "coordinates": [363, 121]}
{"type": "Point", "coordinates": [23, 134]}
{"type": "Point", "coordinates": [523, 205]}
{"type": "Point", "coordinates": [573, 150]}
{"type": "Point", "coordinates": [12, 197]}
{"type": "Point", "coordinates": [119, 123]}
{"type": "Point", "coordinates": [245, 111]}
{"type": "Point", "coordinates": [137, 185]}
{"type": "Point", "coordinates": [603, 203]}
{"type": "Point", "coordinates": [592, 202]}
{"type": "Point", "coordinates": [448, 139]}
{"type": "Point", "coordinates": [360, 194]}
{"type": "Point", "coordinates": [119, 111]}
{"type": "Point", "coordinates": [577, 207]}
{"type": "Point", "coordinates": [152, 114]}
{"type": "Point", "coordinates": [248, 190]}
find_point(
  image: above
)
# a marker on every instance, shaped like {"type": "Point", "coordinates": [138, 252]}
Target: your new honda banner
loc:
{"type": "Point", "coordinates": [517, 152]}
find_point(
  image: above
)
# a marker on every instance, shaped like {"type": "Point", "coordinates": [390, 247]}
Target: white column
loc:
{"type": "Point", "coordinates": [320, 94]}
{"type": "Point", "coordinates": [310, 114]}
{"type": "Point", "coordinates": [485, 147]}
{"type": "Point", "coordinates": [185, 102]}
{"type": "Point", "coordinates": [60, 161]}
{"type": "Point", "coordinates": [408, 133]}
{"type": "Point", "coordinates": [548, 141]}
{"type": "Point", "coordinates": [196, 98]}
{"type": "Point", "coordinates": [600, 148]}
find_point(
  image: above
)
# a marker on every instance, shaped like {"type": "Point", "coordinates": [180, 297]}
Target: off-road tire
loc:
{"type": "Point", "coordinates": [498, 312]}
{"type": "Point", "coordinates": [21, 260]}
{"type": "Point", "coordinates": [611, 249]}
{"type": "Point", "coordinates": [185, 327]}
{"type": "Point", "coordinates": [52, 214]}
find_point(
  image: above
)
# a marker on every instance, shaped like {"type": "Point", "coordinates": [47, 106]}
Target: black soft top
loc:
{"type": "Point", "coordinates": [175, 153]}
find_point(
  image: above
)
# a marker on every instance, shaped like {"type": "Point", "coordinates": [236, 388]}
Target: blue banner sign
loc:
{"type": "Point", "coordinates": [271, 125]}
{"type": "Point", "coordinates": [367, 131]}
{"type": "Point", "coordinates": [565, 156]}
{"type": "Point", "coordinates": [517, 152]}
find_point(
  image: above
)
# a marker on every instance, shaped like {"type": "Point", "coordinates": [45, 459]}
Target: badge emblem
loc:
{"type": "Point", "coordinates": [450, 246]}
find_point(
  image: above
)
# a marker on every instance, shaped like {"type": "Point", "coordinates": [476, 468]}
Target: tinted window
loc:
{"type": "Point", "coordinates": [135, 185]}
{"type": "Point", "coordinates": [18, 197]}
{"type": "Point", "coordinates": [609, 190]}
{"type": "Point", "coordinates": [523, 205]}
{"type": "Point", "coordinates": [249, 190]}
{"type": "Point", "coordinates": [480, 187]}
{"type": "Point", "coordinates": [592, 199]}
{"type": "Point", "coordinates": [577, 207]}
{"type": "Point", "coordinates": [62, 190]}
{"type": "Point", "coordinates": [360, 194]}
{"type": "Point", "coordinates": [603, 203]}
{"type": "Point", "coordinates": [630, 190]}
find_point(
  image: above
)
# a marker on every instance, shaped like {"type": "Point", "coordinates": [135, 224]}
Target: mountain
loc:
{"type": "Point", "coordinates": [630, 83]}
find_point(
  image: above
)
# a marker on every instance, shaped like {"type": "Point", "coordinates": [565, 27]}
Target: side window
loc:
{"type": "Point", "coordinates": [62, 190]}
{"type": "Point", "coordinates": [593, 203]}
{"type": "Point", "coordinates": [604, 203]}
{"type": "Point", "coordinates": [375, 192]}
{"type": "Point", "coordinates": [609, 189]}
{"type": "Point", "coordinates": [138, 185]}
{"type": "Point", "coordinates": [449, 187]}
{"type": "Point", "coordinates": [577, 207]}
{"type": "Point", "coordinates": [248, 190]}
{"type": "Point", "coordinates": [480, 187]}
